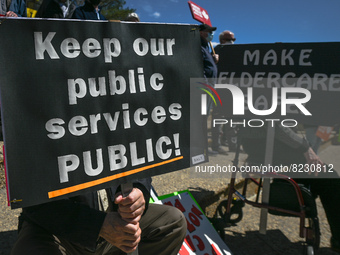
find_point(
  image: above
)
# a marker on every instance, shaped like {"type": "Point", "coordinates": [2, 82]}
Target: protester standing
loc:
{"type": "Point", "coordinates": [228, 136]}
{"type": "Point", "coordinates": [210, 73]}
{"type": "Point", "coordinates": [89, 11]}
{"type": "Point", "coordinates": [58, 9]}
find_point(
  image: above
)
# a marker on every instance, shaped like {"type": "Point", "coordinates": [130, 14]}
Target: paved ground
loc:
{"type": "Point", "coordinates": [242, 238]}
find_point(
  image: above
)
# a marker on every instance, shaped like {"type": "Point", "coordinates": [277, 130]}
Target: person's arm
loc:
{"type": "Point", "coordinates": [132, 207]}
{"type": "Point", "coordinates": [144, 185]}
{"type": "Point", "coordinates": [119, 233]}
{"type": "Point", "coordinates": [121, 228]}
{"type": "Point", "coordinates": [312, 158]}
{"type": "Point", "coordinates": [291, 138]}
{"type": "Point", "coordinates": [18, 7]}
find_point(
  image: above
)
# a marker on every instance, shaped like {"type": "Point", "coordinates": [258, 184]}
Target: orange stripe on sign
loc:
{"type": "Point", "coordinates": [60, 192]}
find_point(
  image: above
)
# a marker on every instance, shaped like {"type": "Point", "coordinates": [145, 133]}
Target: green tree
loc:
{"type": "Point", "coordinates": [115, 10]}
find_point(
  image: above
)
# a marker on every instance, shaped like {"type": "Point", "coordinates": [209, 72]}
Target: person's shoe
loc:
{"type": "Point", "coordinates": [335, 245]}
{"type": "Point", "coordinates": [220, 151]}
{"type": "Point", "coordinates": [212, 152]}
{"type": "Point", "coordinates": [224, 143]}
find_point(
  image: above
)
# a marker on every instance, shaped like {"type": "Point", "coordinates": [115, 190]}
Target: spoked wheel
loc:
{"type": "Point", "coordinates": [236, 213]}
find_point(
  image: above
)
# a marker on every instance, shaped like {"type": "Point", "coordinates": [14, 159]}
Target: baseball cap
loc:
{"type": "Point", "coordinates": [205, 27]}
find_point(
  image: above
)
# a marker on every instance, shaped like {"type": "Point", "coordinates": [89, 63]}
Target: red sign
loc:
{"type": "Point", "coordinates": [324, 132]}
{"type": "Point", "coordinates": [201, 238]}
{"type": "Point", "coordinates": [199, 14]}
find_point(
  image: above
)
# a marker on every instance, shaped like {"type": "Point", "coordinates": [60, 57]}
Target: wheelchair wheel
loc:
{"type": "Point", "coordinates": [236, 213]}
{"type": "Point", "coordinates": [314, 241]}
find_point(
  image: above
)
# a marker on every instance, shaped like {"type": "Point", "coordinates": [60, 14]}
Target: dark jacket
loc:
{"type": "Point", "coordinates": [210, 68]}
{"type": "Point", "coordinates": [17, 6]}
{"type": "Point", "coordinates": [87, 12]}
{"type": "Point", "coordinates": [76, 219]}
{"type": "Point", "coordinates": [51, 9]}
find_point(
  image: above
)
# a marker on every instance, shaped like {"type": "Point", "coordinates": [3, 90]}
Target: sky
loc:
{"type": "Point", "coordinates": [261, 21]}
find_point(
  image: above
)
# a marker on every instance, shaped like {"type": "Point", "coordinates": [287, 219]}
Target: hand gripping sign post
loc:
{"type": "Point", "coordinates": [87, 105]}
{"type": "Point", "coordinates": [126, 189]}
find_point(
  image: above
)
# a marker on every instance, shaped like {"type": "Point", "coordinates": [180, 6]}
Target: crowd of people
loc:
{"type": "Point", "coordinates": [80, 225]}
{"type": "Point", "coordinates": [59, 9]}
